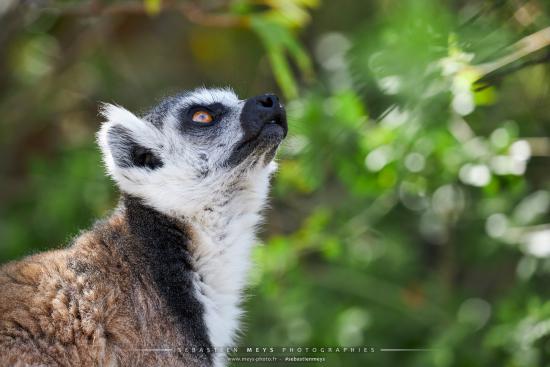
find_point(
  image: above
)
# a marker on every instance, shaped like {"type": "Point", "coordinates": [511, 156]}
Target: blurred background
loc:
{"type": "Point", "coordinates": [411, 209]}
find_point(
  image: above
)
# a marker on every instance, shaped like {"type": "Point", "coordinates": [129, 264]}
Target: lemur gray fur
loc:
{"type": "Point", "coordinates": [158, 282]}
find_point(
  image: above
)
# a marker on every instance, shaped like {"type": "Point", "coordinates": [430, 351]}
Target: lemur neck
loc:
{"type": "Point", "coordinates": [163, 251]}
{"type": "Point", "coordinates": [225, 234]}
{"type": "Point", "coordinates": [219, 236]}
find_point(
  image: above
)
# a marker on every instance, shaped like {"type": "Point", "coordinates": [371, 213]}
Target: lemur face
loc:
{"type": "Point", "coordinates": [195, 144]}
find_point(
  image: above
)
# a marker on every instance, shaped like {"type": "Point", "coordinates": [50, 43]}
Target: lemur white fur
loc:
{"type": "Point", "coordinates": [222, 208]}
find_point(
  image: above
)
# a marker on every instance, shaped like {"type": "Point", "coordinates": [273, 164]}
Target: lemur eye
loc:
{"type": "Point", "coordinates": [203, 117]}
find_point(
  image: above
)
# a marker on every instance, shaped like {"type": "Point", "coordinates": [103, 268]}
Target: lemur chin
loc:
{"type": "Point", "coordinates": [158, 282]}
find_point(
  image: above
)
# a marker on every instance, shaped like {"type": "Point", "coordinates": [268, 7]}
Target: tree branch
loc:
{"type": "Point", "coordinates": [189, 10]}
{"type": "Point", "coordinates": [527, 45]}
{"type": "Point", "coordinates": [523, 47]}
{"type": "Point", "coordinates": [498, 74]}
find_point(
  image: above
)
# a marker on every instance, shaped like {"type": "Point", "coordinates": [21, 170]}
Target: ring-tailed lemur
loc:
{"type": "Point", "coordinates": [159, 282]}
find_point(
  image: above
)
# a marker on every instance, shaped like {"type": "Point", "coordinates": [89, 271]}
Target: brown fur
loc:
{"type": "Point", "coordinates": [86, 306]}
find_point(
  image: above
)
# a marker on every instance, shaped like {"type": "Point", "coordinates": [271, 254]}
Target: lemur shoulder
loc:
{"type": "Point", "coordinates": [158, 282]}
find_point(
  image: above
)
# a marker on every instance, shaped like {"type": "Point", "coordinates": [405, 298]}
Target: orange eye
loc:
{"type": "Point", "coordinates": [203, 117]}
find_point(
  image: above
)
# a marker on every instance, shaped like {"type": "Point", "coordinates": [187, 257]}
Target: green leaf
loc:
{"type": "Point", "coordinates": [280, 42]}
{"type": "Point", "coordinates": [152, 7]}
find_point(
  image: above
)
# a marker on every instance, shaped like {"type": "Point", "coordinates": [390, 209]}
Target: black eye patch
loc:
{"type": "Point", "coordinates": [216, 110]}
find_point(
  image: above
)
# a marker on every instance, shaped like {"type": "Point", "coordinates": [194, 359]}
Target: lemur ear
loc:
{"type": "Point", "coordinates": [126, 141]}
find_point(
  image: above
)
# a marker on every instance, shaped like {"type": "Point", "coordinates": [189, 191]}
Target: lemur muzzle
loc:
{"type": "Point", "coordinates": [260, 111]}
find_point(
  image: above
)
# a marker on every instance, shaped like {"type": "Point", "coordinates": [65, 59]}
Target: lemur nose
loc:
{"type": "Point", "coordinates": [262, 110]}
{"type": "Point", "coordinates": [267, 101]}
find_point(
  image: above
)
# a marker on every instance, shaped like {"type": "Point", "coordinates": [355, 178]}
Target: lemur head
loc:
{"type": "Point", "coordinates": [193, 148]}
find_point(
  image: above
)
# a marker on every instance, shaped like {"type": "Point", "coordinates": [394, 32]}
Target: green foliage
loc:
{"type": "Point", "coordinates": [412, 213]}
{"type": "Point", "coordinates": [275, 28]}
{"type": "Point", "coordinates": [411, 207]}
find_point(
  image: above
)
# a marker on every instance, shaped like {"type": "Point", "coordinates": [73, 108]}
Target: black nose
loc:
{"type": "Point", "coordinates": [267, 101]}
{"type": "Point", "coordinates": [261, 110]}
